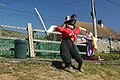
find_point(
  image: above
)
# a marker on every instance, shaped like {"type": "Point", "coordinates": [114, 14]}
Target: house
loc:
{"type": "Point", "coordinates": [108, 40]}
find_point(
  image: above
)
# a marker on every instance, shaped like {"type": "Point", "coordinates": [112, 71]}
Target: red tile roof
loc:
{"type": "Point", "coordinates": [101, 31]}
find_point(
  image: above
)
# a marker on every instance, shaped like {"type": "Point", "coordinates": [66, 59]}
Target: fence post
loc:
{"type": "Point", "coordinates": [30, 40]}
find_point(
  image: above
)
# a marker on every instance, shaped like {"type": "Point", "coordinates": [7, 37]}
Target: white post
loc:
{"type": "Point", "coordinates": [30, 40]}
{"type": "Point", "coordinates": [94, 18]}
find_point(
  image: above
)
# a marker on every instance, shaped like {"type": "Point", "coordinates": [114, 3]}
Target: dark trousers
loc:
{"type": "Point", "coordinates": [68, 50]}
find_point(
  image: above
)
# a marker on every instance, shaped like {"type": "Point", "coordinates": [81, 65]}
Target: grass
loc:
{"type": "Point", "coordinates": [37, 69]}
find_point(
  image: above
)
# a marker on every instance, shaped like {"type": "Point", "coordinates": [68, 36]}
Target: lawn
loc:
{"type": "Point", "coordinates": [51, 69]}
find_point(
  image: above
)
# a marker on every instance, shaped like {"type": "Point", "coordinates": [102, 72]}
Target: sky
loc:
{"type": "Point", "coordinates": [107, 10]}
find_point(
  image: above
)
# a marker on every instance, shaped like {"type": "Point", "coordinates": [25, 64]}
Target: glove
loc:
{"type": "Point", "coordinates": [82, 29]}
{"type": "Point", "coordinates": [51, 29]}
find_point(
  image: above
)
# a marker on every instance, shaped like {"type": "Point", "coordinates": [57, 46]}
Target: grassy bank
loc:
{"type": "Point", "coordinates": [37, 69]}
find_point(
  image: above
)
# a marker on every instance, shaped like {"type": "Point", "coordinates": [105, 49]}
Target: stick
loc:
{"type": "Point", "coordinates": [41, 20]}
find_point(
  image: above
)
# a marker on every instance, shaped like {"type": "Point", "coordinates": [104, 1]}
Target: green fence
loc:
{"type": "Point", "coordinates": [7, 49]}
{"type": "Point", "coordinates": [47, 50]}
{"type": "Point", "coordinates": [48, 47]}
{"type": "Point", "coordinates": [6, 46]}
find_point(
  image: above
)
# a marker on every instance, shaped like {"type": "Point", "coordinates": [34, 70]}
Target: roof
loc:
{"type": "Point", "coordinates": [101, 31]}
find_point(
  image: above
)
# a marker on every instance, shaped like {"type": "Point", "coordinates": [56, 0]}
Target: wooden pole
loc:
{"type": "Point", "coordinates": [30, 40]}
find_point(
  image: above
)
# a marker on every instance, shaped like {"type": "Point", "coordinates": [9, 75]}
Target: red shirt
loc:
{"type": "Point", "coordinates": [68, 32]}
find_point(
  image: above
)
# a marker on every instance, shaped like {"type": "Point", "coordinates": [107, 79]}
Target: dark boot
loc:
{"type": "Point", "coordinates": [68, 68]}
{"type": "Point", "coordinates": [80, 68]}
{"type": "Point", "coordinates": [67, 65]}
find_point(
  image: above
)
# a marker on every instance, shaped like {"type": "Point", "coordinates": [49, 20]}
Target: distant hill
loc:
{"type": "Point", "coordinates": [10, 33]}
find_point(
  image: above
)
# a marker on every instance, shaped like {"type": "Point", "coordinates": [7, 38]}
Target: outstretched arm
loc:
{"type": "Point", "coordinates": [88, 38]}
{"type": "Point", "coordinates": [76, 31]}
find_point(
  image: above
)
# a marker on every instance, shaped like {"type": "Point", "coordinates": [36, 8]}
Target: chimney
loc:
{"type": "Point", "coordinates": [100, 22]}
